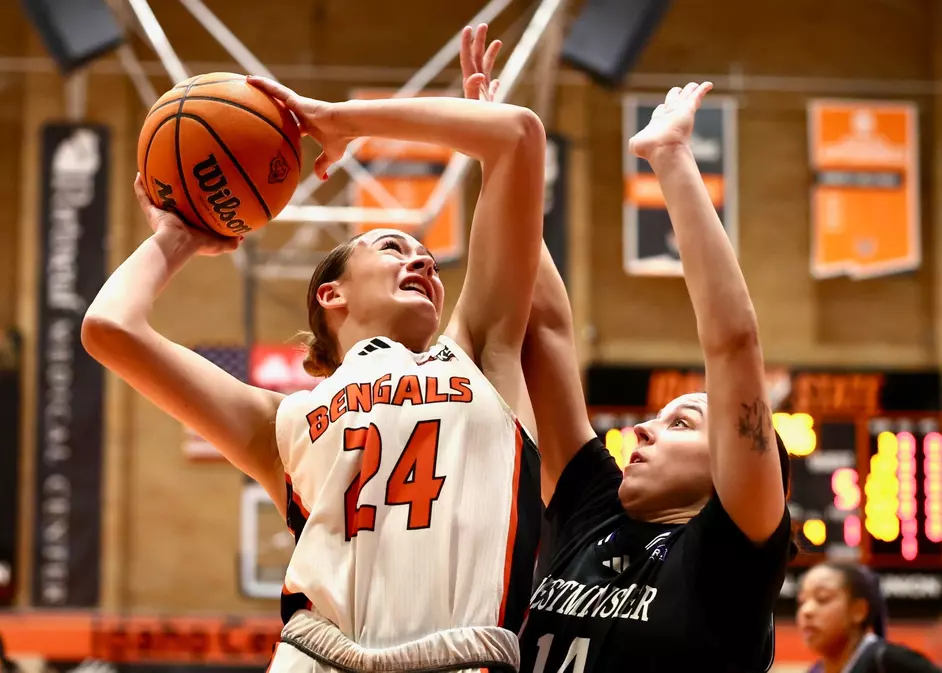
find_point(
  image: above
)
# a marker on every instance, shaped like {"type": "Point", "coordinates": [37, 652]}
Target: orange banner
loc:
{"type": "Point", "coordinates": [865, 211]}
{"type": "Point", "coordinates": [236, 640]}
{"type": "Point", "coordinates": [644, 191]}
{"type": "Point", "coordinates": [79, 636]}
{"type": "Point", "coordinates": [409, 173]}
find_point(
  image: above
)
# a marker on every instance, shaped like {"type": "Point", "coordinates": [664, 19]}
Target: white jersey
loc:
{"type": "Point", "coordinates": [413, 495]}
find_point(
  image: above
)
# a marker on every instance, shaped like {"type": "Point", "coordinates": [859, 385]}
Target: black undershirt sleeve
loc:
{"type": "Point", "coordinates": [586, 496]}
{"type": "Point", "coordinates": [899, 659]}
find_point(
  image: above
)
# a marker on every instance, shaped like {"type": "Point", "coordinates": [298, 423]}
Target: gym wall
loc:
{"type": "Point", "coordinates": [171, 526]}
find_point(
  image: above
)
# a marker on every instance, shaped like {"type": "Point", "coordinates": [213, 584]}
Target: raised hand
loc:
{"type": "Point", "coordinates": [671, 123]}
{"type": "Point", "coordinates": [314, 120]}
{"type": "Point", "coordinates": [477, 63]}
{"type": "Point", "coordinates": [201, 241]}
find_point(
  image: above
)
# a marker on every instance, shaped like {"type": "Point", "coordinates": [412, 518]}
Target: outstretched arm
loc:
{"type": "Point", "coordinates": [238, 419]}
{"type": "Point", "coordinates": [490, 318]}
{"type": "Point", "coordinates": [744, 461]}
{"type": "Point", "coordinates": [551, 369]}
{"type": "Point", "coordinates": [550, 366]}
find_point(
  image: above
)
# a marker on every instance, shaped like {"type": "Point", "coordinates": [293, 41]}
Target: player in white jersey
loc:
{"type": "Point", "coordinates": [405, 474]}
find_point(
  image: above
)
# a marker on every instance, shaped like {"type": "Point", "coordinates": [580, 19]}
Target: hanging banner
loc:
{"type": "Point", "coordinates": [555, 202]}
{"type": "Point", "coordinates": [865, 212]}
{"type": "Point", "coordinates": [66, 560]}
{"type": "Point", "coordinates": [649, 247]}
{"type": "Point", "coordinates": [407, 173]}
{"type": "Point", "coordinates": [9, 463]}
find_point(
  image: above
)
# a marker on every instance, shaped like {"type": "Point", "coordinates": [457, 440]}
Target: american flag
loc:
{"type": "Point", "coordinates": [233, 360]}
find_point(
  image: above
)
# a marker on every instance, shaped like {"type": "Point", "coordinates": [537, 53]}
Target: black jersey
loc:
{"type": "Point", "coordinates": [875, 655]}
{"type": "Point", "coordinates": [624, 595]}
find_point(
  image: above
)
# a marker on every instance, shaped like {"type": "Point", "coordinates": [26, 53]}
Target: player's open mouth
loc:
{"type": "Point", "coordinates": [636, 457]}
{"type": "Point", "coordinates": [419, 285]}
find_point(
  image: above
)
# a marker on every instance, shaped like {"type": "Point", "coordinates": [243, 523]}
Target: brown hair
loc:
{"type": "Point", "coordinates": [322, 356]}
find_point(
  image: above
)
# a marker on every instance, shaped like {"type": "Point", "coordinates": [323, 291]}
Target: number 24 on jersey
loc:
{"type": "Point", "coordinates": [413, 481]}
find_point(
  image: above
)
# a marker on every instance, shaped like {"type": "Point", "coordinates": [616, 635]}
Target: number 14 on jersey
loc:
{"type": "Point", "coordinates": [575, 658]}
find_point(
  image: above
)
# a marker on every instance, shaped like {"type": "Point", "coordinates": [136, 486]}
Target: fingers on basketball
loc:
{"type": "Point", "coordinates": [284, 96]}
{"type": "Point", "coordinates": [140, 191]}
{"type": "Point", "coordinates": [271, 87]}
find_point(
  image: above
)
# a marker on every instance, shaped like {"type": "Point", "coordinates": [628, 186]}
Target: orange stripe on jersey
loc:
{"type": "Point", "coordinates": [512, 530]}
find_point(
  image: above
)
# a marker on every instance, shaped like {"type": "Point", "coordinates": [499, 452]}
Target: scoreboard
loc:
{"type": "Point", "coordinates": [866, 474]}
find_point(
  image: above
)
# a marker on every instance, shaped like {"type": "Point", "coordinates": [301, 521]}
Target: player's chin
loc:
{"type": "Point", "coordinates": [418, 307]}
{"type": "Point", "coordinates": [813, 639]}
{"type": "Point", "coordinates": [631, 492]}
{"type": "Point", "coordinates": [417, 315]}
{"type": "Point", "coordinates": [414, 300]}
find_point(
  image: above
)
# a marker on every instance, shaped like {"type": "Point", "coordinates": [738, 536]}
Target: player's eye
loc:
{"type": "Point", "coordinates": [679, 423]}
{"type": "Point", "coordinates": [823, 598]}
{"type": "Point", "coordinates": [391, 244]}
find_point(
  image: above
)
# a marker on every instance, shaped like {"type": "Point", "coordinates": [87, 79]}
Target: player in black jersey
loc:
{"type": "Point", "coordinates": [675, 564]}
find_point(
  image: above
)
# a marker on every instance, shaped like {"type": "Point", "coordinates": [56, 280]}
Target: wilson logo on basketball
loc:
{"type": "Point", "coordinates": [277, 169]}
{"type": "Point", "coordinates": [213, 182]}
{"type": "Point", "coordinates": [165, 195]}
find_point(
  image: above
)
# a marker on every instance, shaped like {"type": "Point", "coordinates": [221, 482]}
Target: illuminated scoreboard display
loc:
{"type": "Point", "coordinates": [866, 460]}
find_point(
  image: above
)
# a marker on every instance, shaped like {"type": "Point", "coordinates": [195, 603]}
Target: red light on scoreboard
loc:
{"type": "Point", "coordinates": [906, 474]}
{"type": "Point", "coordinates": [852, 531]}
{"type": "Point", "coordinates": [932, 462]}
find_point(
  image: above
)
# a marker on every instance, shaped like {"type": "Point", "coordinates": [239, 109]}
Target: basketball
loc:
{"type": "Point", "coordinates": [220, 153]}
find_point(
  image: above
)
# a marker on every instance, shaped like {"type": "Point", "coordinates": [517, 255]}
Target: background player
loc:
{"type": "Point", "coordinates": [843, 618]}
{"type": "Point", "coordinates": [675, 564]}
{"type": "Point", "coordinates": [398, 428]}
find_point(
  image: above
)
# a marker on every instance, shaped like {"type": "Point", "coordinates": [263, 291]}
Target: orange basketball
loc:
{"type": "Point", "coordinates": [220, 153]}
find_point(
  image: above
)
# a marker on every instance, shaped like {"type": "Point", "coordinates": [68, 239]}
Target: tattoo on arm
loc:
{"type": "Point", "coordinates": [755, 424]}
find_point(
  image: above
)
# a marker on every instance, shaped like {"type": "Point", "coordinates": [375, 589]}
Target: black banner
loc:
{"type": "Point", "coordinates": [555, 202]}
{"type": "Point", "coordinates": [9, 462]}
{"type": "Point", "coordinates": [649, 246]}
{"type": "Point", "coordinates": [67, 523]}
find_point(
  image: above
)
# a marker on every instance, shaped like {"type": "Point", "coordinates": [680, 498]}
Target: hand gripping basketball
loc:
{"type": "Point", "coordinates": [203, 242]}
{"type": "Point", "coordinates": [477, 63]}
{"type": "Point", "coordinates": [671, 123]}
{"type": "Point", "coordinates": [314, 119]}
